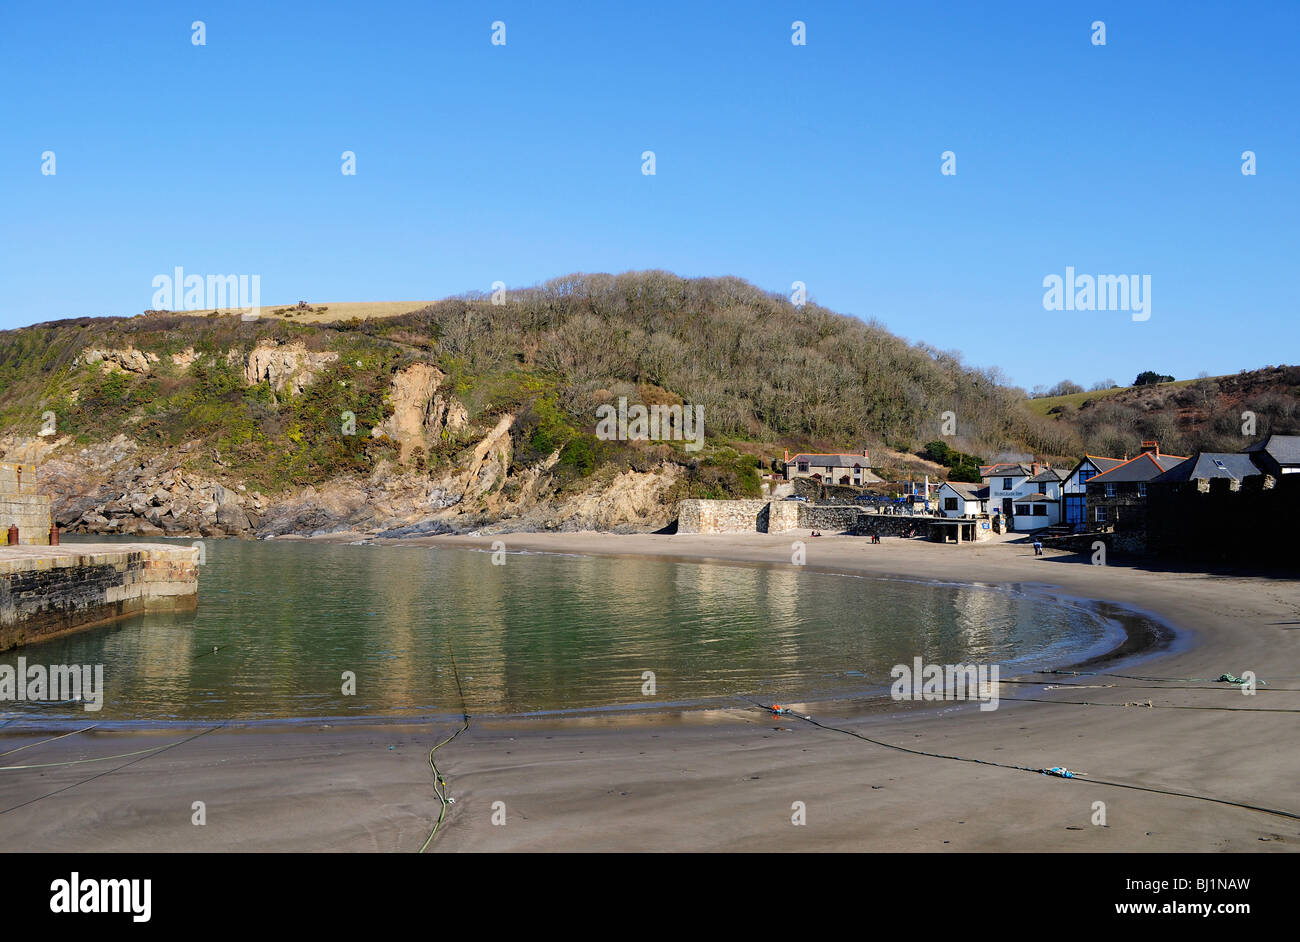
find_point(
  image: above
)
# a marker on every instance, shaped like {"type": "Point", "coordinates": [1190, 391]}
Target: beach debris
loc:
{"type": "Point", "coordinates": [1141, 703]}
{"type": "Point", "coordinates": [1231, 679]}
{"type": "Point", "coordinates": [1060, 771]}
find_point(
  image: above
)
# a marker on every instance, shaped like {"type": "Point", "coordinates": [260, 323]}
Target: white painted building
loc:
{"type": "Point", "coordinates": [1005, 483]}
{"type": "Point", "coordinates": [1028, 496]}
{"type": "Point", "coordinates": [957, 499]}
{"type": "Point", "coordinates": [1040, 504]}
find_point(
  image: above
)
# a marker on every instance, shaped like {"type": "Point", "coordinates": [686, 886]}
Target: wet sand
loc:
{"type": "Point", "coordinates": [728, 779]}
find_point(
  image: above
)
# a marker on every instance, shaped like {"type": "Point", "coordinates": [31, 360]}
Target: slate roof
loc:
{"type": "Point", "coordinates": [1101, 464]}
{"type": "Point", "coordinates": [1144, 467]}
{"type": "Point", "coordinates": [1046, 475]}
{"type": "Point", "coordinates": [969, 491]}
{"type": "Point", "coordinates": [1105, 464]}
{"type": "Point", "coordinates": [1284, 449]}
{"type": "Point", "coordinates": [1035, 499]}
{"type": "Point", "coordinates": [1009, 469]}
{"type": "Point", "coordinates": [832, 461]}
{"type": "Point", "coordinates": [1208, 465]}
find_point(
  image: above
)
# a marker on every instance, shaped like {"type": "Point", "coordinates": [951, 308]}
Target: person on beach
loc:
{"type": "Point", "coordinates": [875, 537]}
{"type": "Point", "coordinates": [1038, 548]}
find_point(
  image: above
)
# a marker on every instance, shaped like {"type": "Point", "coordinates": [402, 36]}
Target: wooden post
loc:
{"type": "Point", "coordinates": [13, 535]}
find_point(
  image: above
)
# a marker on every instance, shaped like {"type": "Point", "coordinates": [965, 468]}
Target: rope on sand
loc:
{"type": "Point", "coordinates": [1056, 771]}
{"type": "Point", "coordinates": [439, 782]}
{"type": "Point", "coordinates": [1154, 706]}
{"type": "Point", "coordinates": [142, 755]}
{"type": "Point", "coordinates": [1221, 679]}
{"type": "Point", "coordinates": [31, 745]}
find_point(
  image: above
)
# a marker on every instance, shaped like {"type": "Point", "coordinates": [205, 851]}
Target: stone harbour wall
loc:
{"type": "Point", "coordinates": [762, 516]}
{"type": "Point", "coordinates": [51, 591]}
{"type": "Point", "coordinates": [894, 525]}
{"type": "Point", "coordinates": [783, 515]}
{"type": "Point", "coordinates": [722, 516]}
{"type": "Point", "coordinates": [834, 518]}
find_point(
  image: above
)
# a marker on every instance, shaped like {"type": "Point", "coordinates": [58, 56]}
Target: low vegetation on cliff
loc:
{"type": "Point", "coordinates": [488, 405]}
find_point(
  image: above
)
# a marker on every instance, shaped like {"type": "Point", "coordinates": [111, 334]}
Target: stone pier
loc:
{"type": "Point", "coordinates": [47, 591]}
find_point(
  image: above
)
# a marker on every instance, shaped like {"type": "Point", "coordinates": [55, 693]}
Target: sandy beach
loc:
{"type": "Point", "coordinates": [728, 779]}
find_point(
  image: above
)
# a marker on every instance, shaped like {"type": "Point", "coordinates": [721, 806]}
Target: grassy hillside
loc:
{"type": "Point", "coordinates": [767, 374]}
{"type": "Point", "coordinates": [1213, 414]}
{"type": "Point", "coordinates": [1052, 405]}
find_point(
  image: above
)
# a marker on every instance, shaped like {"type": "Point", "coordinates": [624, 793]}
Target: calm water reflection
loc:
{"type": "Point", "coordinates": [539, 633]}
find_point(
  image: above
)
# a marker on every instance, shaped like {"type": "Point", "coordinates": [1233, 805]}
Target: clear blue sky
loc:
{"type": "Point", "coordinates": [776, 163]}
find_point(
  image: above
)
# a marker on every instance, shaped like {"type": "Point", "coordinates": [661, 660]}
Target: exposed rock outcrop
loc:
{"type": "Point", "coordinates": [129, 360]}
{"type": "Point", "coordinates": [489, 462]}
{"type": "Point", "coordinates": [185, 359]}
{"type": "Point", "coordinates": [421, 413]}
{"type": "Point", "coordinates": [284, 366]}
{"type": "Point", "coordinates": [120, 487]}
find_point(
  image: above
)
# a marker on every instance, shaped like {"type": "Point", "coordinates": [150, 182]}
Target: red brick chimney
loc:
{"type": "Point", "coordinates": [787, 454]}
{"type": "Point", "coordinates": [1034, 468]}
{"type": "Point", "coordinates": [864, 453]}
{"type": "Point", "coordinates": [1151, 446]}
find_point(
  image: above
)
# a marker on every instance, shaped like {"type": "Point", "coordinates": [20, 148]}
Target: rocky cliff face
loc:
{"type": "Point", "coordinates": [119, 487]}
{"type": "Point", "coordinates": [421, 414]}
{"type": "Point", "coordinates": [128, 360]}
{"type": "Point", "coordinates": [448, 471]}
{"type": "Point", "coordinates": [285, 366]}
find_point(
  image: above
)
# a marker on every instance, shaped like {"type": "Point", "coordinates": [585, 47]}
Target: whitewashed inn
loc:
{"type": "Point", "coordinates": [1028, 496]}
{"type": "Point", "coordinates": [1033, 496]}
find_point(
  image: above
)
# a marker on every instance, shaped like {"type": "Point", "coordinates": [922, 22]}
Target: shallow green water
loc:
{"type": "Point", "coordinates": [542, 632]}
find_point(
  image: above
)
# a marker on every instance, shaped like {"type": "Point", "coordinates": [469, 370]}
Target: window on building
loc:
{"type": "Point", "coordinates": [1100, 514]}
{"type": "Point", "coordinates": [950, 503]}
{"type": "Point", "coordinates": [1040, 510]}
{"type": "Point", "coordinates": [1085, 473]}
{"type": "Point", "coordinates": [1110, 490]}
{"type": "Point", "coordinates": [803, 466]}
{"type": "Point", "coordinates": [1006, 484]}
{"type": "Point", "coordinates": [1142, 489]}
{"type": "Point", "coordinates": [1022, 510]}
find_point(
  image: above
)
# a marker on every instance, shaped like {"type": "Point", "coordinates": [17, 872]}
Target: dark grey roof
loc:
{"type": "Point", "coordinates": [1101, 464]}
{"type": "Point", "coordinates": [969, 491]}
{"type": "Point", "coordinates": [1144, 467]}
{"type": "Point", "coordinates": [833, 461]}
{"type": "Point", "coordinates": [1105, 464]}
{"type": "Point", "coordinates": [1035, 499]}
{"type": "Point", "coordinates": [1284, 449]}
{"type": "Point", "coordinates": [1208, 465]}
{"type": "Point", "coordinates": [1009, 470]}
{"type": "Point", "coordinates": [1047, 474]}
